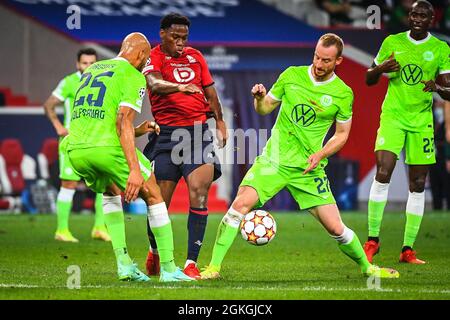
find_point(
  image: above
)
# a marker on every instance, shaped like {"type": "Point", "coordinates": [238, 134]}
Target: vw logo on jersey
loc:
{"type": "Point", "coordinates": [428, 56]}
{"type": "Point", "coordinates": [303, 114]}
{"type": "Point", "coordinates": [326, 100]}
{"type": "Point", "coordinates": [183, 74]}
{"type": "Point", "coordinates": [411, 74]}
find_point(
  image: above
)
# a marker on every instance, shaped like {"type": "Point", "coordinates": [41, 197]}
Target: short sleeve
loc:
{"type": "Point", "coordinates": [61, 91]}
{"type": "Point", "coordinates": [345, 109]}
{"type": "Point", "coordinates": [277, 90]}
{"type": "Point", "coordinates": [444, 63]}
{"type": "Point", "coordinates": [207, 79]}
{"type": "Point", "coordinates": [384, 52]}
{"type": "Point", "coordinates": [153, 64]}
{"type": "Point", "coordinates": [133, 92]}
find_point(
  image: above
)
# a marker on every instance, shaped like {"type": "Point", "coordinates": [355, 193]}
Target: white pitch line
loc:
{"type": "Point", "coordinates": [306, 289]}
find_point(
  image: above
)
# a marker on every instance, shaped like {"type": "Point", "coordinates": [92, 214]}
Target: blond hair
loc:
{"type": "Point", "coordinates": [331, 39]}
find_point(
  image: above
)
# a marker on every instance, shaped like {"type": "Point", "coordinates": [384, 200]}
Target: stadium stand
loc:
{"type": "Point", "coordinates": [47, 157]}
{"type": "Point", "coordinates": [15, 168]}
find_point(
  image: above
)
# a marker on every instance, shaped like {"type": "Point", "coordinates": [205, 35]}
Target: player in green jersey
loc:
{"type": "Point", "coordinates": [101, 149]}
{"type": "Point", "coordinates": [311, 99]}
{"type": "Point", "coordinates": [64, 94]}
{"type": "Point", "coordinates": [412, 60]}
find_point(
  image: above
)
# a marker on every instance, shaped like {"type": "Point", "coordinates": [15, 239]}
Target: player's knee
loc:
{"type": "Point", "coordinates": [151, 193]}
{"type": "Point", "coordinates": [383, 175]}
{"type": "Point", "coordinates": [242, 205]}
{"type": "Point", "coordinates": [417, 184]}
{"type": "Point", "coordinates": [336, 230]}
{"type": "Point", "coordinates": [343, 234]}
{"type": "Point", "coordinates": [198, 194]}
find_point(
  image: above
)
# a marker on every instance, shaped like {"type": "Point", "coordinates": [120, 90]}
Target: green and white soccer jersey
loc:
{"type": "Point", "coordinates": [308, 109]}
{"type": "Point", "coordinates": [104, 87]}
{"type": "Point", "coordinates": [407, 118]}
{"type": "Point", "coordinates": [65, 92]}
{"type": "Point", "coordinates": [93, 144]}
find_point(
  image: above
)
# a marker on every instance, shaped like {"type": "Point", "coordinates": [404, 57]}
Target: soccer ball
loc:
{"type": "Point", "coordinates": [258, 227]}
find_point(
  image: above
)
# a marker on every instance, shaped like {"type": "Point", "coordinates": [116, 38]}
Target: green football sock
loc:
{"type": "Point", "coordinates": [99, 218]}
{"type": "Point", "coordinates": [412, 227]}
{"type": "Point", "coordinates": [116, 229]}
{"type": "Point", "coordinates": [63, 212]}
{"type": "Point", "coordinates": [376, 209]}
{"type": "Point", "coordinates": [164, 241]}
{"type": "Point", "coordinates": [63, 207]}
{"type": "Point", "coordinates": [224, 240]}
{"type": "Point", "coordinates": [355, 251]}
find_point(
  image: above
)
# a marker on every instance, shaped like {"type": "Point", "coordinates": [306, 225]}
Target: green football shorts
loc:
{"type": "Point", "coordinates": [102, 166]}
{"type": "Point", "coordinates": [66, 171]}
{"type": "Point", "coordinates": [268, 178]}
{"type": "Point", "coordinates": [419, 146]}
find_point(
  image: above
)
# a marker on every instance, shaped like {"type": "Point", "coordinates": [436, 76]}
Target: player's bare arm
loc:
{"type": "Point", "coordinates": [125, 131]}
{"type": "Point", "coordinates": [146, 127]}
{"type": "Point", "coordinates": [333, 145]}
{"type": "Point", "coordinates": [447, 120]}
{"type": "Point", "coordinates": [49, 107]}
{"type": "Point", "coordinates": [214, 103]}
{"type": "Point", "coordinates": [443, 90]}
{"type": "Point", "coordinates": [374, 73]}
{"type": "Point", "coordinates": [264, 104]}
{"type": "Point", "coordinates": [161, 87]}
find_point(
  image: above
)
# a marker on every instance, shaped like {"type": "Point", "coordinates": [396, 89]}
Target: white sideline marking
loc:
{"type": "Point", "coordinates": [30, 286]}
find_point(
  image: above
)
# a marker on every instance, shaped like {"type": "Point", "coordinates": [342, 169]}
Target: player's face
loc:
{"type": "Point", "coordinates": [85, 61]}
{"type": "Point", "coordinates": [325, 61]}
{"type": "Point", "coordinates": [174, 39]}
{"type": "Point", "coordinates": [420, 19]}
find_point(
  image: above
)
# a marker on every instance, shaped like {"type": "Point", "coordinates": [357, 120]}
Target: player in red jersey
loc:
{"type": "Point", "coordinates": [181, 109]}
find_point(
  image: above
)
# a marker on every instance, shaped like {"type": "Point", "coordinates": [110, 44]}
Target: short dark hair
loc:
{"type": "Point", "coordinates": [174, 18]}
{"type": "Point", "coordinates": [424, 4]}
{"type": "Point", "coordinates": [87, 51]}
{"type": "Point", "coordinates": [331, 39]}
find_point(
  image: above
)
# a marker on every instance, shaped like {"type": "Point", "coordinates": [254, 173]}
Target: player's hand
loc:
{"type": "Point", "coordinates": [62, 132]}
{"type": "Point", "coordinates": [189, 88]}
{"type": "Point", "coordinates": [134, 183]}
{"type": "Point", "coordinates": [259, 91]}
{"type": "Point", "coordinates": [447, 164]}
{"type": "Point", "coordinates": [447, 135]}
{"type": "Point", "coordinates": [430, 86]}
{"type": "Point", "coordinates": [222, 133]}
{"type": "Point", "coordinates": [390, 65]}
{"type": "Point", "coordinates": [146, 127]}
{"type": "Point", "coordinates": [313, 161]}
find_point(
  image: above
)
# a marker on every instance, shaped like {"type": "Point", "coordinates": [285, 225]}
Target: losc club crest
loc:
{"type": "Point", "coordinates": [411, 74]}
{"type": "Point", "coordinates": [303, 115]}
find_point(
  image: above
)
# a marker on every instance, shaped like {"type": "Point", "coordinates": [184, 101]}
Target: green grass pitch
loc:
{"type": "Point", "coordinates": [302, 262]}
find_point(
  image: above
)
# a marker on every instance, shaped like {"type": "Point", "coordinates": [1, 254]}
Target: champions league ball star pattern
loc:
{"type": "Point", "coordinates": [258, 227]}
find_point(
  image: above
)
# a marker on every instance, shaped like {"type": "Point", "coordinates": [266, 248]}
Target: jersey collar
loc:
{"type": "Point", "coordinates": [319, 83]}
{"type": "Point", "coordinates": [78, 73]}
{"type": "Point", "coordinates": [408, 35]}
{"type": "Point", "coordinates": [120, 58]}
